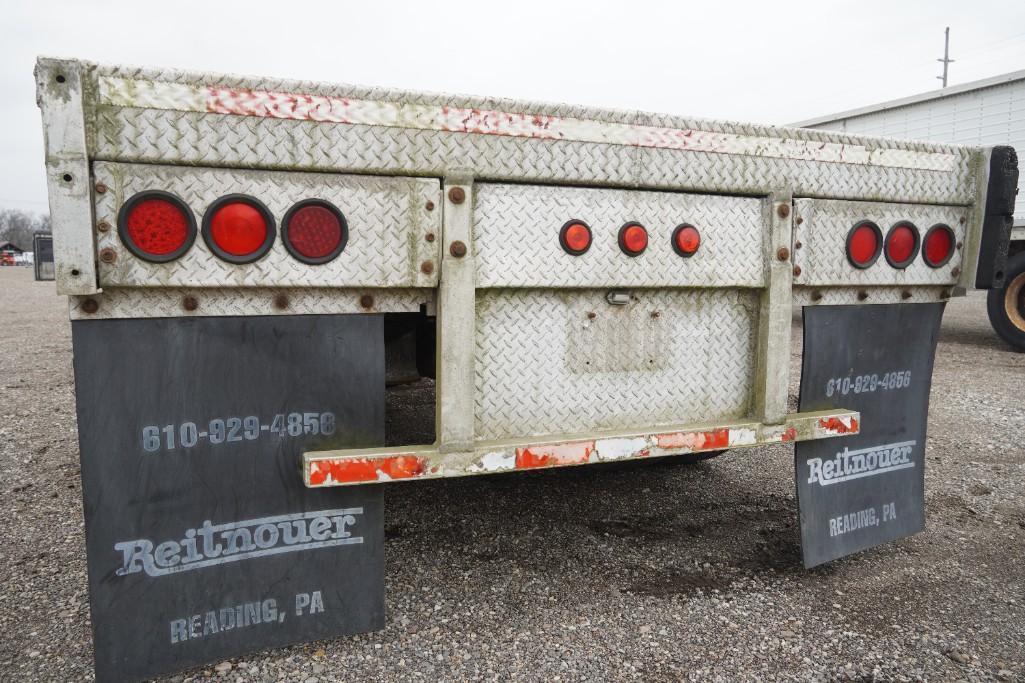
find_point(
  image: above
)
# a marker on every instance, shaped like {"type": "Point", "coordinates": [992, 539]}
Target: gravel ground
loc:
{"type": "Point", "coordinates": [654, 573]}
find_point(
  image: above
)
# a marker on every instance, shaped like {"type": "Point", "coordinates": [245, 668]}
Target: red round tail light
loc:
{"type": "Point", "coordinates": [864, 242]}
{"type": "Point", "coordinates": [938, 246]}
{"type": "Point", "coordinates": [238, 228]}
{"type": "Point", "coordinates": [575, 237]}
{"type": "Point", "coordinates": [633, 239]}
{"type": "Point", "coordinates": [901, 245]}
{"type": "Point", "coordinates": [686, 240]}
{"type": "Point", "coordinates": [314, 231]}
{"type": "Point", "coordinates": [156, 226]}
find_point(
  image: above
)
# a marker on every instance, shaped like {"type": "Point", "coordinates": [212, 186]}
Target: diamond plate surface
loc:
{"type": "Point", "coordinates": [516, 238]}
{"type": "Point", "coordinates": [168, 302]}
{"type": "Point", "coordinates": [387, 222]}
{"type": "Point", "coordinates": [821, 226]}
{"type": "Point", "coordinates": [160, 136]}
{"type": "Point", "coordinates": [533, 348]}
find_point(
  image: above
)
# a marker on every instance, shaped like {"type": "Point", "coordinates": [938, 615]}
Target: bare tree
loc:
{"type": "Point", "coordinates": [18, 227]}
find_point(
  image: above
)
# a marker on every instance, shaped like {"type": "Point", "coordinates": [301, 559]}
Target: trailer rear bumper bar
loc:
{"type": "Point", "coordinates": [371, 465]}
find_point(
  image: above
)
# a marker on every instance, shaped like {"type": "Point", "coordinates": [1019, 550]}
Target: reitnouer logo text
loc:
{"type": "Point", "coordinates": [864, 462]}
{"type": "Point", "coordinates": [211, 544]}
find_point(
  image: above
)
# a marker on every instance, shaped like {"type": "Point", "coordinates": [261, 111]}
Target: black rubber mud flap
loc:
{"type": "Point", "coordinates": [858, 491]}
{"type": "Point", "coordinates": [202, 541]}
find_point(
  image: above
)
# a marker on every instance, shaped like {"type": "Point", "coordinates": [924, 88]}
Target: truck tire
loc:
{"type": "Point", "coordinates": [1006, 306]}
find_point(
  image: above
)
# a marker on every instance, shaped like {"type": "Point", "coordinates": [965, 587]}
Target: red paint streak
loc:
{"type": "Point", "coordinates": [352, 470]}
{"type": "Point", "coordinates": [695, 441]}
{"type": "Point", "coordinates": [789, 434]}
{"type": "Point", "coordinates": [551, 455]}
{"type": "Point", "coordinates": [836, 425]}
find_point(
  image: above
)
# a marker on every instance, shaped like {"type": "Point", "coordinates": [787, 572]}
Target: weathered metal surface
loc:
{"type": "Point", "coordinates": [150, 94]}
{"type": "Point", "coordinates": [202, 542]}
{"type": "Point", "coordinates": [772, 373]}
{"type": "Point", "coordinates": [865, 296]}
{"type": "Point", "coordinates": [869, 489]}
{"type": "Point", "coordinates": [387, 228]}
{"type": "Point", "coordinates": [822, 226]}
{"type": "Point", "coordinates": [173, 136]}
{"type": "Point", "coordinates": [359, 466]}
{"type": "Point", "coordinates": [172, 302]}
{"type": "Point", "coordinates": [545, 366]}
{"type": "Point", "coordinates": [516, 238]}
{"type": "Point", "coordinates": [59, 85]}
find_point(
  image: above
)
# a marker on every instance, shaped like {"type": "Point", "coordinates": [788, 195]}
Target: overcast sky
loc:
{"type": "Point", "coordinates": [768, 62]}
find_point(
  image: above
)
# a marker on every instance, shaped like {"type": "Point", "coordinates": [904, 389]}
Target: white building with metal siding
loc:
{"type": "Point", "coordinates": [986, 112]}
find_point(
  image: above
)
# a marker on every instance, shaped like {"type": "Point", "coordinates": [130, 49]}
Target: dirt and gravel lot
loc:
{"type": "Point", "coordinates": [654, 573]}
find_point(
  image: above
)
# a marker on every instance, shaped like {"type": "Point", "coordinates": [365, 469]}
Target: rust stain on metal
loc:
{"type": "Point", "coordinates": [108, 255]}
{"type": "Point", "coordinates": [782, 253]}
{"type": "Point", "coordinates": [816, 296]}
{"type": "Point", "coordinates": [783, 210]}
{"type": "Point", "coordinates": [366, 301]}
{"type": "Point", "coordinates": [429, 237]}
{"type": "Point", "coordinates": [457, 195]}
{"type": "Point", "coordinates": [905, 294]}
{"type": "Point", "coordinates": [103, 226]}
{"type": "Point", "coordinates": [190, 303]}
{"type": "Point", "coordinates": [281, 301]}
{"type": "Point", "coordinates": [797, 271]}
{"type": "Point", "coordinates": [427, 267]}
{"type": "Point", "coordinates": [457, 249]}
{"type": "Point", "coordinates": [429, 205]}
{"type": "Point", "coordinates": [90, 306]}
{"type": "Point", "coordinates": [862, 295]}
{"type": "Point", "coordinates": [100, 188]}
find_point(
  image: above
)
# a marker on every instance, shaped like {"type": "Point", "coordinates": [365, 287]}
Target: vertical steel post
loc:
{"type": "Point", "coordinates": [456, 319]}
{"type": "Point", "coordinates": [772, 378]}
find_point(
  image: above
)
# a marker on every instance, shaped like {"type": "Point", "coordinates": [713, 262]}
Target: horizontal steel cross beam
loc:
{"type": "Point", "coordinates": [369, 465]}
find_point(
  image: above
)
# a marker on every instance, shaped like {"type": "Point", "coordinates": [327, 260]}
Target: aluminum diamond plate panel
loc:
{"type": "Point", "coordinates": [516, 238]}
{"type": "Point", "coordinates": [545, 366]}
{"type": "Point", "coordinates": [821, 226]}
{"type": "Point", "coordinates": [263, 132]}
{"type": "Point", "coordinates": [387, 219]}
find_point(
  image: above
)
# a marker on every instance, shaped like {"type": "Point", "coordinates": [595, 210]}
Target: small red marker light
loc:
{"type": "Point", "coordinates": [575, 237]}
{"type": "Point", "coordinates": [238, 228]}
{"type": "Point", "coordinates": [686, 240]}
{"type": "Point", "coordinates": [901, 245]}
{"type": "Point", "coordinates": [156, 226]}
{"type": "Point", "coordinates": [938, 246]}
{"type": "Point", "coordinates": [633, 239]}
{"type": "Point", "coordinates": [864, 242]}
{"type": "Point", "coordinates": [314, 231]}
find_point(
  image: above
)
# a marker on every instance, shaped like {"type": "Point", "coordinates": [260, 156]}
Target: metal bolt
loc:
{"type": "Point", "coordinates": [457, 195]}
{"type": "Point", "coordinates": [955, 271]}
{"type": "Point", "coordinates": [816, 296]}
{"type": "Point", "coordinates": [90, 306]}
{"type": "Point", "coordinates": [797, 244]}
{"type": "Point", "coordinates": [429, 237]}
{"type": "Point", "coordinates": [103, 226]}
{"type": "Point", "coordinates": [862, 295]}
{"type": "Point", "coordinates": [797, 271]}
{"type": "Point", "coordinates": [429, 205]}
{"type": "Point", "coordinates": [281, 302]}
{"type": "Point", "coordinates": [107, 255]}
{"type": "Point", "coordinates": [782, 253]}
{"type": "Point", "coordinates": [799, 220]}
{"type": "Point", "coordinates": [427, 267]}
{"type": "Point", "coordinates": [962, 220]}
{"type": "Point", "coordinates": [960, 245]}
{"type": "Point", "coordinates": [905, 294]}
{"type": "Point", "coordinates": [190, 303]}
{"type": "Point", "coordinates": [783, 210]}
{"type": "Point", "coordinates": [457, 249]}
{"type": "Point", "coordinates": [100, 188]}
{"type": "Point", "coordinates": [592, 315]}
{"type": "Point", "coordinates": [366, 301]}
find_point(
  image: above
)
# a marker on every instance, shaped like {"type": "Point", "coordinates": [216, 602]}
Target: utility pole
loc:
{"type": "Point", "coordinates": [946, 56]}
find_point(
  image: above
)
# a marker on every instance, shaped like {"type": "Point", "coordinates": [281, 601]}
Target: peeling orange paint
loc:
{"type": "Point", "coordinates": [554, 454]}
{"type": "Point", "coordinates": [789, 434]}
{"type": "Point", "coordinates": [351, 470]}
{"type": "Point", "coordinates": [695, 441]}
{"type": "Point", "coordinates": [836, 425]}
